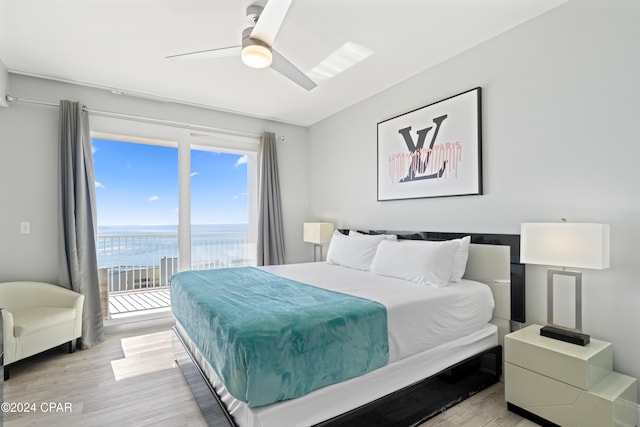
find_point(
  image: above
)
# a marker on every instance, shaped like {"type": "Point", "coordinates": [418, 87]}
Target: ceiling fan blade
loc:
{"type": "Point", "coordinates": [270, 20]}
{"type": "Point", "coordinates": [287, 69]}
{"type": "Point", "coordinates": [203, 54]}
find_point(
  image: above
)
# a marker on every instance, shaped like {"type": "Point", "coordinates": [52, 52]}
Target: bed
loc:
{"type": "Point", "coordinates": [426, 370]}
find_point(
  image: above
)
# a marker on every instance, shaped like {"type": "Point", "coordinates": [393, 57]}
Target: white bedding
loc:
{"type": "Point", "coordinates": [419, 317]}
{"type": "Point", "coordinates": [430, 329]}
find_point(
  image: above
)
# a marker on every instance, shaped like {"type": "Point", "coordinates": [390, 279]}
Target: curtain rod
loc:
{"type": "Point", "coordinates": [10, 99]}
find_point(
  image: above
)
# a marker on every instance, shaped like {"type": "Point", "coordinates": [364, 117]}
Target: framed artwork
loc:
{"type": "Point", "coordinates": [434, 151]}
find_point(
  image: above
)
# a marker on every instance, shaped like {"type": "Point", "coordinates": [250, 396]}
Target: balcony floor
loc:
{"type": "Point", "coordinates": [128, 303]}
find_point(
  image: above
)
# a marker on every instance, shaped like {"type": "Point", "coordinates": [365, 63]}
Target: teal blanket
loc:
{"type": "Point", "coordinates": [270, 339]}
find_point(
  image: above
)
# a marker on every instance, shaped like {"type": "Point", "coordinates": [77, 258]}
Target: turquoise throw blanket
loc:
{"type": "Point", "coordinates": [270, 339]}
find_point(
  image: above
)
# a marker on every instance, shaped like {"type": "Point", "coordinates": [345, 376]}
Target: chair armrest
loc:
{"type": "Point", "coordinates": [9, 340]}
{"type": "Point", "coordinates": [7, 322]}
{"type": "Point", "coordinates": [78, 307]}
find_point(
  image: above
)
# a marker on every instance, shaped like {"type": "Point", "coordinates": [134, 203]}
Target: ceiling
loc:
{"type": "Point", "coordinates": [122, 44]}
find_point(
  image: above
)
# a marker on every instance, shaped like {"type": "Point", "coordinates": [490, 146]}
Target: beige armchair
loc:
{"type": "Point", "coordinates": [36, 317]}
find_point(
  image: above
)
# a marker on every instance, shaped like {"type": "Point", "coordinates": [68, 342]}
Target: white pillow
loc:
{"type": "Point", "coordinates": [460, 259]}
{"type": "Point", "coordinates": [387, 236]}
{"type": "Point", "coordinates": [353, 251]}
{"type": "Point", "coordinates": [420, 261]}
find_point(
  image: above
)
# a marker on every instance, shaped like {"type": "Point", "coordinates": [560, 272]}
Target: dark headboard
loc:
{"type": "Point", "coordinates": [511, 240]}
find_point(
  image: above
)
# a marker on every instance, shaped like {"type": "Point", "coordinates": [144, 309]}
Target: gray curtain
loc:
{"type": "Point", "coordinates": [270, 230]}
{"type": "Point", "coordinates": [78, 263]}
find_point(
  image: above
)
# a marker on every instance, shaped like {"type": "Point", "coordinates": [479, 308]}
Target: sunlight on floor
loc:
{"type": "Point", "coordinates": [144, 354]}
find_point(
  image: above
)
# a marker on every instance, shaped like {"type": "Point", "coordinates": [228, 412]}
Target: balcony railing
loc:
{"type": "Point", "coordinates": [146, 262]}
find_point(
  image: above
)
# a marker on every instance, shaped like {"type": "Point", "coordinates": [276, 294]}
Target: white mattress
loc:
{"type": "Point", "coordinates": [419, 317]}
{"type": "Point", "coordinates": [336, 399]}
{"type": "Point", "coordinates": [429, 328]}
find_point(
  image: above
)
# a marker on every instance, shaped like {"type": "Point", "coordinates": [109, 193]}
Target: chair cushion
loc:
{"type": "Point", "coordinates": [31, 320]}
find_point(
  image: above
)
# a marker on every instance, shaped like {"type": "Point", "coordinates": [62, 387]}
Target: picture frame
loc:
{"type": "Point", "coordinates": [432, 151]}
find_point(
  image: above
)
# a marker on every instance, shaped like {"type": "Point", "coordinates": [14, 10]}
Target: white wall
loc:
{"type": "Point", "coordinates": [561, 106]}
{"type": "Point", "coordinates": [29, 168]}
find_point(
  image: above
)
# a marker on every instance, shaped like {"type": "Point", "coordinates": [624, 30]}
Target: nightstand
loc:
{"type": "Point", "coordinates": [558, 383]}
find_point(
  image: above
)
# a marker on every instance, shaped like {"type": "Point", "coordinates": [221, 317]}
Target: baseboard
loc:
{"type": "Point", "coordinates": [626, 407]}
{"type": "Point", "coordinates": [3, 85]}
{"type": "Point", "coordinates": [637, 408]}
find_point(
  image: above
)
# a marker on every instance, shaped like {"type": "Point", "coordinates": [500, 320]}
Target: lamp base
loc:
{"type": "Point", "coordinates": [565, 335]}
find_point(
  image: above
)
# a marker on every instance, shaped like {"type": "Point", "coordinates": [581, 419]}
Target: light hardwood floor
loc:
{"type": "Point", "coordinates": [133, 380]}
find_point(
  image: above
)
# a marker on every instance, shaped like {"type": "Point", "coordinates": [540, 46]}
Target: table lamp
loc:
{"type": "Point", "coordinates": [574, 245]}
{"type": "Point", "coordinates": [317, 233]}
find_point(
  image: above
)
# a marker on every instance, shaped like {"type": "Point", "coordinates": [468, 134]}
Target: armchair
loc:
{"type": "Point", "coordinates": [36, 317]}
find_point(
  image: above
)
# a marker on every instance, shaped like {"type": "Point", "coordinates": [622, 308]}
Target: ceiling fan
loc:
{"type": "Point", "coordinates": [257, 43]}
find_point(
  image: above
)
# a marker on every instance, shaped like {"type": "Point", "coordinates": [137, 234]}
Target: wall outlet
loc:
{"type": "Point", "coordinates": [25, 227]}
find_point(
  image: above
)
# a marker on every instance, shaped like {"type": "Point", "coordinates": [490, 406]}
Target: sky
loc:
{"type": "Point", "coordinates": [137, 184]}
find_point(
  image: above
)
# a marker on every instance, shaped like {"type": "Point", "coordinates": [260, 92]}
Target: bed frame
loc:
{"type": "Point", "coordinates": [424, 399]}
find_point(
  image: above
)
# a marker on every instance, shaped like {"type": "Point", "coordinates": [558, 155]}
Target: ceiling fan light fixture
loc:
{"type": "Point", "coordinates": [256, 55]}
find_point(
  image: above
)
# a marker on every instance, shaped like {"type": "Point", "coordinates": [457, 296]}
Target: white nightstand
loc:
{"type": "Point", "coordinates": [567, 384]}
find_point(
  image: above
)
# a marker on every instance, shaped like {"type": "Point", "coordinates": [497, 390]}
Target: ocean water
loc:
{"type": "Point", "coordinates": [144, 246]}
{"type": "Point", "coordinates": [114, 230]}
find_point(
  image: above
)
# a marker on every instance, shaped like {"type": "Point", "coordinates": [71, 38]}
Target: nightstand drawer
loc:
{"type": "Point", "coordinates": [612, 402]}
{"type": "Point", "coordinates": [540, 395]}
{"type": "Point", "coordinates": [579, 366]}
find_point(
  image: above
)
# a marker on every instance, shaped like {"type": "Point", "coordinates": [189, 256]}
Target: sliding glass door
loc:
{"type": "Point", "coordinates": [220, 214]}
{"type": "Point", "coordinates": [170, 206]}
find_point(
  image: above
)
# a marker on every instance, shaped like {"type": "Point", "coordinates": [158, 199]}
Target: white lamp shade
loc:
{"type": "Point", "coordinates": [577, 245]}
{"type": "Point", "coordinates": [317, 232]}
